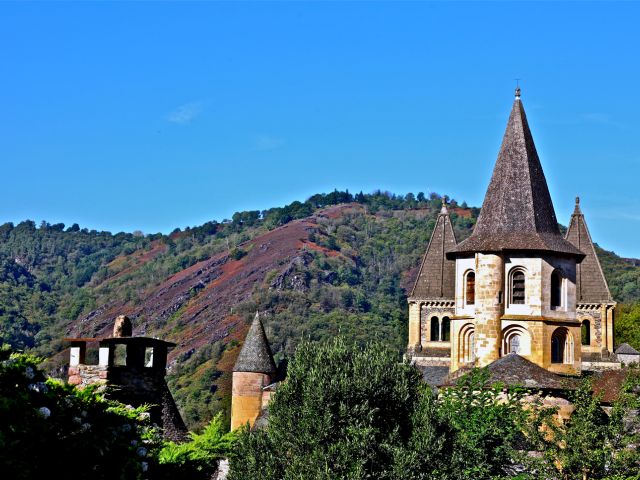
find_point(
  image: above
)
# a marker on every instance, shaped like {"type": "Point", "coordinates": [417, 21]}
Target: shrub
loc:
{"type": "Point", "coordinates": [198, 458]}
{"type": "Point", "coordinates": [49, 429]}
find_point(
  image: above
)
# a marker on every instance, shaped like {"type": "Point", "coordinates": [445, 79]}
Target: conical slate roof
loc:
{"type": "Point", "coordinates": [436, 277]}
{"type": "Point", "coordinates": [517, 212]}
{"type": "Point", "coordinates": [255, 355]}
{"type": "Point", "coordinates": [591, 286]}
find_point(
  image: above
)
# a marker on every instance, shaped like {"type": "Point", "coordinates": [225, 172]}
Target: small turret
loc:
{"type": "Point", "coordinates": [254, 370]}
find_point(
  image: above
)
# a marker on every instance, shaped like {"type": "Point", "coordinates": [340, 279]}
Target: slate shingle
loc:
{"type": "Point", "coordinates": [517, 212]}
{"type": "Point", "coordinates": [591, 286]}
{"type": "Point", "coordinates": [255, 355]}
{"type": "Point", "coordinates": [436, 277]}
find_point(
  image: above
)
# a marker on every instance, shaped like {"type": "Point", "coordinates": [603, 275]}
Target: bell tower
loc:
{"type": "Point", "coordinates": [516, 274]}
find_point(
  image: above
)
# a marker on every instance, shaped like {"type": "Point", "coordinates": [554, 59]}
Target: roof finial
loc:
{"type": "Point", "coordinates": [444, 210]}
{"type": "Point", "coordinates": [577, 209]}
{"type": "Point", "coordinates": [517, 89]}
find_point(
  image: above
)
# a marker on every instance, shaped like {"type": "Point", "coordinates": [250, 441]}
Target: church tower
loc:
{"type": "Point", "coordinates": [432, 299]}
{"type": "Point", "coordinates": [594, 305]}
{"type": "Point", "coordinates": [515, 276]}
{"type": "Point", "coordinates": [254, 370]}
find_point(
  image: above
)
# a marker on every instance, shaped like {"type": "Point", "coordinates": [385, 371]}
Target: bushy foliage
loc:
{"type": "Point", "coordinates": [590, 444]}
{"type": "Point", "coordinates": [355, 413]}
{"type": "Point", "coordinates": [627, 325]}
{"type": "Point", "coordinates": [340, 414]}
{"type": "Point", "coordinates": [49, 429]}
{"type": "Point", "coordinates": [198, 458]}
{"type": "Point", "coordinates": [488, 422]}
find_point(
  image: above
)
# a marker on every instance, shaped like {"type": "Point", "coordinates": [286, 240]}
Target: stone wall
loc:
{"type": "Point", "coordinates": [463, 266]}
{"type": "Point", "coordinates": [427, 312]}
{"type": "Point", "coordinates": [84, 375]}
{"type": "Point", "coordinates": [247, 397]}
{"type": "Point", "coordinates": [414, 327]}
{"type": "Point", "coordinates": [488, 307]}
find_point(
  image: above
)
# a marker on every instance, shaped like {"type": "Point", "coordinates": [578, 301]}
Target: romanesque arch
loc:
{"type": "Point", "coordinates": [466, 344]}
{"type": "Point", "coordinates": [561, 346]}
{"type": "Point", "coordinates": [446, 329]}
{"type": "Point", "coordinates": [470, 288]}
{"type": "Point", "coordinates": [517, 286]}
{"type": "Point", "coordinates": [585, 332]}
{"type": "Point", "coordinates": [516, 339]}
{"type": "Point", "coordinates": [435, 329]}
{"type": "Point", "coordinates": [556, 289]}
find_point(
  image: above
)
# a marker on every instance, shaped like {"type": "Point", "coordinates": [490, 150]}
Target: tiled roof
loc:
{"type": "Point", "coordinates": [514, 370]}
{"type": "Point", "coordinates": [609, 384]}
{"type": "Point", "coordinates": [433, 375]}
{"type": "Point", "coordinates": [436, 278]}
{"type": "Point", "coordinates": [591, 286]}
{"type": "Point", "coordinates": [517, 212]}
{"type": "Point", "coordinates": [626, 349]}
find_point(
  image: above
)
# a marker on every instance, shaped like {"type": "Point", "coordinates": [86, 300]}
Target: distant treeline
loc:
{"type": "Point", "coordinates": [278, 216]}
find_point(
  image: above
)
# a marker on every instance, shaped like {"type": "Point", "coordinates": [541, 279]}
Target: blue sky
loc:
{"type": "Point", "coordinates": [151, 116]}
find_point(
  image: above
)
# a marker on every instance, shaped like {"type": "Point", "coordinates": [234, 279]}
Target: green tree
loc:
{"type": "Point", "coordinates": [591, 444]}
{"type": "Point", "coordinates": [344, 412]}
{"type": "Point", "coordinates": [487, 423]}
{"type": "Point", "coordinates": [627, 325]}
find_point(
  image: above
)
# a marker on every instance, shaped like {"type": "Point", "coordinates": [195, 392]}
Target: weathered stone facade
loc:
{"type": "Point", "coordinates": [518, 285]}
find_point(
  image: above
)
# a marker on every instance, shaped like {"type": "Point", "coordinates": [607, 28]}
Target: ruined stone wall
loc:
{"type": "Point", "coordinates": [84, 375]}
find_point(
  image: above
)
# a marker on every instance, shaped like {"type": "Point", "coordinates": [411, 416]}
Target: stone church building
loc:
{"type": "Point", "coordinates": [517, 296]}
{"type": "Point", "coordinates": [516, 285]}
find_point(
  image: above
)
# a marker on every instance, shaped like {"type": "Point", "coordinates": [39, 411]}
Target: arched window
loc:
{"type": "Point", "coordinates": [472, 347]}
{"type": "Point", "coordinates": [556, 289]}
{"type": "Point", "coordinates": [517, 287]}
{"type": "Point", "coordinates": [466, 344]}
{"type": "Point", "coordinates": [557, 349]}
{"type": "Point", "coordinates": [561, 346]}
{"type": "Point", "coordinates": [516, 339]}
{"type": "Point", "coordinates": [446, 329]}
{"type": "Point", "coordinates": [470, 288]}
{"type": "Point", "coordinates": [435, 329]}
{"type": "Point", "coordinates": [514, 344]}
{"type": "Point", "coordinates": [585, 332]}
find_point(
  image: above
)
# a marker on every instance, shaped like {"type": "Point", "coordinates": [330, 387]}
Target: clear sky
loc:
{"type": "Point", "coordinates": [151, 116]}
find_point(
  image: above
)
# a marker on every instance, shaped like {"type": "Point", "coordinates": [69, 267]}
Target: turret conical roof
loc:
{"type": "Point", "coordinates": [436, 277]}
{"type": "Point", "coordinates": [255, 355]}
{"type": "Point", "coordinates": [517, 212]}
{"type": "Point", "coordinates": [591, 286]}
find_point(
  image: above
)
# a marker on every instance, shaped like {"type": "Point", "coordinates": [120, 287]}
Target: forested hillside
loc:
{"type": "Point", "coordinates": [335, 263]}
